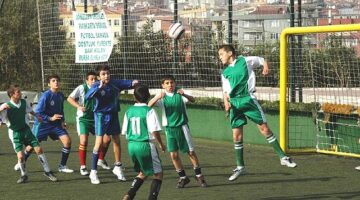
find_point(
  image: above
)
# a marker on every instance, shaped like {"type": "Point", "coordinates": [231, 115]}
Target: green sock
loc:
{"type": "Point", "coordinates": [274, 142]}
{"type": "Point", "coordinates": [239, 153]}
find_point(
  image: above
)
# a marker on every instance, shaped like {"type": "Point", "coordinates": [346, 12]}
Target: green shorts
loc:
{"type": "Point", "coordinates": [179, 139]}
{"type": "Point", "coordinates": [84, 127]}
{"type": "Point", "coordinates": [245, 107]}
{"type": "Point", "coordinates": [145, 157]}
{"type": "Point", "coordinates": [21, 138]}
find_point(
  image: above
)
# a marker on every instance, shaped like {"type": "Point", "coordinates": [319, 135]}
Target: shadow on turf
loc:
{"type": "Point", "coordinates": [339, 195]}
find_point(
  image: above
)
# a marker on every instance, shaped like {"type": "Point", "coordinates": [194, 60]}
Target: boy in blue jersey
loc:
{"type": "Point", "coordinates": [238, 80]}
{"type": "Point", "coordinates": [106, 93]}
{"type": "Point", "coordinates": [141, 127]}
{"type": "Point", "coordinates": [14, 114]}
{"type": "Point", "coordinates": [51, 109]}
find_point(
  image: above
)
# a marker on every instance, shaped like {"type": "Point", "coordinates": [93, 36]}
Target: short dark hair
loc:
{"type": "Point", "coordinates": [53, 76]}
{"type": "Point", "coordinates": [91, 73]}
{"type": "Point", "coordinates": [11, 90]}
{"type": "Point", "coordinates": [227, 48]}
{"type": "Point", "coordinates": [167, 77]}
{"type": "Point", "coordinates": [102, 67]}
{"type": "Point", "coordinates": [141, 93]}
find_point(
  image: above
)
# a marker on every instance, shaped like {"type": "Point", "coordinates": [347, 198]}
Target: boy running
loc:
{"type": "Point", "coordinates": [141, 127]}
{"type": "Point", "coordinates": [106, 93]}
{"type": "Point", "coordinates": [14, 114]}
{"type": "Point", "coordinates": [238, 80]}
{"type": "Point", "coordinates": [51, 109]}
{"type": "Point", "coordinates": [178, 137]}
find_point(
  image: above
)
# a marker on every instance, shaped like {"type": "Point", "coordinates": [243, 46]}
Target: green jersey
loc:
{"type": "Point", "coordinates": [16, 115]}
{"type": "Point", "coordinates": [238, 78]}
{"type": "Point", "coordinates": [79, 93]}
{"type": "Point", "coordinates": [174, 110]}
{"type": "Point", "coordinates": [140, 122]}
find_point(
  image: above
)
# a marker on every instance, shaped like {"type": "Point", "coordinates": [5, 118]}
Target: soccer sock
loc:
{"type": "Point", "coordinates": [181, 173]}
{"type": "Point", "coordinates": [136, 184]}
{"type": "Point", "coordinates": [64, 155]}
{"type": "Point", "coordinates": [102, 152]}
{"type": "Point", "coordinates": [274, 142]}
{"type": "Point", "coordinates": [239, 153]}
{"type": "Point", "coordinates": [22, 168]}
{"type": "Point", "coordinates": [95, 158]}
{"type": "Point", "coordinates": [44, 162]}
{"type": "Point", "coordinates": [154, 189]}
{"type": "Point", "coordinates": [82, 154]}
{"type": "Point", "coordinates": [26, 155]}
{"type": "Point", "coordinates": [197, 171]}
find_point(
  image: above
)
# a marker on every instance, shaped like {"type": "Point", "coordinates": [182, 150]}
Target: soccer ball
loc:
{"type": "Point", "coordinates": [176, 30]}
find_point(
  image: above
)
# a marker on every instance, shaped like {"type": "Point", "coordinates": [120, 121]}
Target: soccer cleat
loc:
{"type": "Point", "coordinates": [65, 169]}
{"type": "Point", "coordinates": [182, 182]}
{"type": "Point", "coordinates": [103, 164]}
{"type": "Point", "coordinates": [84, 171]}
{"type": "Point", "coordinates": [357, 168]}
{"type": "Point", "coordinates": [201, 181]}
{"type": "Point", "coordinates": [286, 161]}
{"type": "Point", "coordinates": [236, 173]}
{"type": "Point", "coordinates": [17, 167]}
{"type": "Point", "coordinates": [51, 176]}
{"type": "Point", "coordinates": [126, 197]}
{"type": "Point", "coordinates": [94, 177]}
{"type": "Point", "coordinates": [22, 179]}
{"type": "Point", "coordinates": [118, 171]}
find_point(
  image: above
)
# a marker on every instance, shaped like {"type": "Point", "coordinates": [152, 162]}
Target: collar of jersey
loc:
{"type": "Point", "coordinates": [169, 93]}
{"type": "Point", "coordinates": [16, 105]}
{"type": "Point", "coordinates": [140, 104]}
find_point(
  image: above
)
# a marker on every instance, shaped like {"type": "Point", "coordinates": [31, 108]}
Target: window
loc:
{"type": "Point", "coordinates": [116, 34]}
{"type": "Point", "coordinates": [246, 36]}
{"type": "Point", "coordinates": [275, 23]}
{"type": "Point", "coordinates": [109, 22]}
{"type": "Point", "coordinates": [116, 22]}
{"type": "Point", "coordinates": [72, 35]}
{"type": "Point", "coordinates": [274, 36]}
{"type": "Point", "coordinates": [71, 22]}
{"type": "Point", "coordinates": [246, 24]}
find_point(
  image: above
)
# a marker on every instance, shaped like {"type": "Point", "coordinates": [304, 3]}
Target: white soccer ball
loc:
{"type": "Point", "coordinates": [176, 30]}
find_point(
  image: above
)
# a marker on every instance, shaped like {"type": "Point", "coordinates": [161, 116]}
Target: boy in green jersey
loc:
{"type": "Point", "coordinates": [141, 127]}
{"type": "Point", "coordinates": [13, 113]}
{"type": "Point", "coordinates": [238, 80]}
{"type": "Point", "coordinates": [178, 137]}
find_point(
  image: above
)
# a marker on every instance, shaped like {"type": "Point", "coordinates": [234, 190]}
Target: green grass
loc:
{"type": "Point", "coordinates": [316, 177]}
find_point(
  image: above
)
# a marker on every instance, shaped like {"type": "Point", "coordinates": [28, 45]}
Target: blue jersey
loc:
{"type": "Point", "coordinates": [107, 98]}
{"type": "Point", "coordinates": [49, 104]}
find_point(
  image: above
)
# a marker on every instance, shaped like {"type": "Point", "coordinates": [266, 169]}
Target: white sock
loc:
{"type": "Point", "coordinates": [44, 162]}
{"type": "Point", "coordinates": [22, 168]}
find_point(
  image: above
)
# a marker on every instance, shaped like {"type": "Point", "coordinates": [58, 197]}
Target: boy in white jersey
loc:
{"type": "Point", "coordinates": [141, 127]}
{"type": "Point", "coordinates": [85, 122]}
{"type": "Point", "coordinates": [13, 113]}
{"type": "Point", "coordinates": [178, 137]}
{"type": "Point", "coordinates": [238, 80]}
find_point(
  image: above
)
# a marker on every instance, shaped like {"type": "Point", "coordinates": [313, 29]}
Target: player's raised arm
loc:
{"type": "Point", "coordinates": [189, 97]}
{"type": "Point", "coordinates": [93, 90]}
{"type": "Point", "coordinates": [154, 100]}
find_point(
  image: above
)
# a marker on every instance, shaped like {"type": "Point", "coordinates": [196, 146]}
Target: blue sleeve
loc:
{"type": "Point", "coordinates": [62, 108]}
{"type": "Point", "coordinates": [92, 91]}
{"type": "Point", "coordinates": [41, 107]}
{"type": "Point", "coordinates": [122, 84]}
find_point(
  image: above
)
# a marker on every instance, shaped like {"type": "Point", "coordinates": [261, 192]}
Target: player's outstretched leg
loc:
{"type": "Point", "coordinates": [154, 189]}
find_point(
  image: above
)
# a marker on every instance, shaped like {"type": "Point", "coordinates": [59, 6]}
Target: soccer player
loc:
{"type": "Point", "coordinates": [106, 93]}
{"type": "Point", "coordinates": [85, 123]}
{"type": "Point", "coordinates": [141, 127]}
{"type": "Point", "coordinates": [14, 114]}
{"type": "Point", "coordinates": [51, 109]}
{"type": "Point", "coordinates": [238, 80]}
{"type": "Point", "coordinates": [178, 137]}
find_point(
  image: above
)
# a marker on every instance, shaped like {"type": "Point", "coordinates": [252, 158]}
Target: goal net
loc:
{"type": "Point", "coordinates": [323, 71]}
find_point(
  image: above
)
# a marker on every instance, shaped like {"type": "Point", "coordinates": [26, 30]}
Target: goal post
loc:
{"type": "Point", "coordinates": [333, 91]}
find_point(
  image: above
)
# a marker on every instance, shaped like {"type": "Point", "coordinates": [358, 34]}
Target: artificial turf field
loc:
{"type": "Point", "coordinates": [316, 177]}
